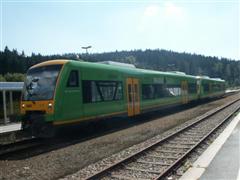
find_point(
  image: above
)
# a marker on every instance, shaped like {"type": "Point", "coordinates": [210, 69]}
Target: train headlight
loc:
{"type": "Point", "coordinates": [23, 105]}
{"type": "Point", "coordinates": [50, 105]}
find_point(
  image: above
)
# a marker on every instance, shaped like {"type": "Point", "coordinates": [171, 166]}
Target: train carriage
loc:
{"type": "Point", "coordinates": [160, 89]}
{"type": "Point", "coordinates": [211, 87]}
{"type": "Point", "coordinates": [62, 92]}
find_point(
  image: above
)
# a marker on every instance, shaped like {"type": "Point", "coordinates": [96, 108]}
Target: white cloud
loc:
{"type": "Point", "coordinates": [152, 10]}
{"type": "Point", "coordinates": [162, 16]}
{"type": "Point", "coordinates": [167, 10]}
{"type": "Point", "coordinates": [173, 11]}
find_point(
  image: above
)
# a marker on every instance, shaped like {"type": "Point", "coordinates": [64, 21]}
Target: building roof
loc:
{"type": "Point", "coordinates": [11, 86]}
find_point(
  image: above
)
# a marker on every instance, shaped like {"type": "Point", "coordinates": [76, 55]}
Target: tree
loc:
{"type": "Point", "coordinates": [15, 77]}
{"type": "Point", "coordinates": [162, 60]}
{"type": "Point", "coordinates": [2, 79]}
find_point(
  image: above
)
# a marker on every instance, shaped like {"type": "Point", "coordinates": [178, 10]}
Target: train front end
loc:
{"type": "Point", "coordinates": [38, 98]}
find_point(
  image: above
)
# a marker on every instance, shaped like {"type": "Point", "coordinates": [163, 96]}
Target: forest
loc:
{"type": "Point", "coordinates": [14, 64]}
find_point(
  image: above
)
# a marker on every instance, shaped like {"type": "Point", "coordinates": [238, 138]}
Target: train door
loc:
{"type": "Point", "coordinates": [210, 88]}
{"type": "Point", "coordinates": [133, 99]}
{"type": "Point", "coordinates": [199, 88]}
{"type": "Point", "coordinates": [184, 87]}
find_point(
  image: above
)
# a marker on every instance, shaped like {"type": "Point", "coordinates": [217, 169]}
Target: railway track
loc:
{"type": "Point", "coordinates": [26, 143]}
{"type": "Point", "coordinates": [163, 157]}
{"type": "Point", "coordinates": [18, 147]}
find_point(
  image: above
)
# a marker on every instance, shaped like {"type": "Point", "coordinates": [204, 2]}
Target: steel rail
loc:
{"type": "Point", "coordinates": [104, 171]}
{"type": "Point", "coordinates": [8, 149]}
{"type": "Point", "coordinates": [184, 156]}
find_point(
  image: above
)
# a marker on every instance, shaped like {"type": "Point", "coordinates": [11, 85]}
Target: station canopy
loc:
{"type": "Point", "coordinates": [11, 86]}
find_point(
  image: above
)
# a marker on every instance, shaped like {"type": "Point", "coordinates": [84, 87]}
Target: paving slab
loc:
{"type": "Point", "coordinates": [226, 163]}
{"type": "Point", "coordinates": [10, 127]}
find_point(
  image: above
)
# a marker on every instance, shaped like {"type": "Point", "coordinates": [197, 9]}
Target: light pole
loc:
{"type": "Point", "coordinates": [86, 48]}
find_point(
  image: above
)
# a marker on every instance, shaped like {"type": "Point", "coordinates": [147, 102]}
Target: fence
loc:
{"type": "Point", "coordinates": [9, 87]}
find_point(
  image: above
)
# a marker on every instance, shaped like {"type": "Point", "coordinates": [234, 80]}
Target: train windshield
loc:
{"type": "Point", "coordinates": [40, 83]}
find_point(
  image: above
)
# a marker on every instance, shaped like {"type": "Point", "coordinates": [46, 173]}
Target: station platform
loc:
{"type": "Point", "coordinates": [10, 127]}
{"type": "Point", "coordinates": [221, 160]}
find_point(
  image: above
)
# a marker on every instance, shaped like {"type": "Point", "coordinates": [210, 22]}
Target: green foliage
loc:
{"type": "Point", "coordinates": [129, 59]}
{"type": "Point", "coordinates": [15, 77]}
{"type": "Point", "coordinates": [162, 60]}
{"type": "Point", "coordinates": [2, 79]}
{"type": "Point", "coordinates": [12, 77]}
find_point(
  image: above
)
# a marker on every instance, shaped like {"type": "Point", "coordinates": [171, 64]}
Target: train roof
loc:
{"type": "Point", "coordinates": [127, 69]}
{"type": "Point", "coordinates": [51, 62]}
{"type": "Point", "coordinates": [210, 79]}
{"type": "Point", "coordinates": [124, 68]}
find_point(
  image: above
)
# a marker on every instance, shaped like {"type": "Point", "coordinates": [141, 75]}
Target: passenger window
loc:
{"type": "Point", "coordinates": [99, 91]}
{"type": "Point", "coordinates": [73, 79]}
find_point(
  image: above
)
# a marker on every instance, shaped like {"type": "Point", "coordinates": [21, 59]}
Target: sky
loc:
{"type": "Point", "coordinates": [207, 27]}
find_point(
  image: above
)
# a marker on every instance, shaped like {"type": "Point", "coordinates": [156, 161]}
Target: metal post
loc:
{"type": "Point", "coordinates": [11, 102]}
{"type": "Point", "coordinates": [5, 108]}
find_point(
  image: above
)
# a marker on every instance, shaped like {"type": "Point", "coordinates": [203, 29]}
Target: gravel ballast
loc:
{"type": "Point", "coordinates": [61, 162]}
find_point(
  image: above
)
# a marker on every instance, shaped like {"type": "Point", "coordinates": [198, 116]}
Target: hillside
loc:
{"type": "Point", "coordinates": [163, 60]}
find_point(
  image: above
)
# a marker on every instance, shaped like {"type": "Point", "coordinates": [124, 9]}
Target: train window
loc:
{"type": "Point", "coordinates": [174, 90]}
{"type": "Point", "coordinates": [87, 94]}
{"type": "Point", "coordinates": [155, 91]}
{"type": "Point", "coordinates": [41, 82]}
{"type": "Point", "coordinates": [96, 96]}
{"type": "Point", "coordinates": [119, 92]}
{"type": "Point", "coordinates": [129, 93]}
{"type": "Point", "coordinates": [217, 87]}
{"type": "Point", "coordinates": [192, 88]}
{"type": "Point", "coordinates": [160, 91]}
{"type": "Point", "coordinates": [206, 87]}
{"type": "Point", "coordinates": [107, 90]}
{"type": "Point", "coordinates": [97, 91]}
{"type": "Point", "coordinates": [136, 92]}
{"type": "Point", "coordinates": [73, 79]}
{"type": "Point", "coordinates": [147, 91]}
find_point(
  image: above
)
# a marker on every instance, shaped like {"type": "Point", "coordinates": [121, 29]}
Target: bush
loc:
{"type": "Point", "coordinates": [15, 77]}
{"type": "Point", "coordinates": [2, 79]}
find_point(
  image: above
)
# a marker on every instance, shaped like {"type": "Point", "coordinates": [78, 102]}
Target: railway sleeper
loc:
{"type": "Point", "coordinates": [182, 143]}
{"type": "Point", "coordinates": [129, 174]}
{"type": "Point", "coordinates": [153, 162]}
{"type": "Point", "coordinates": [143, 170]}
{"type": "Point", "coordinates": [162, 157]}
{"type": "Point", "coordinates": [167, 151]}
